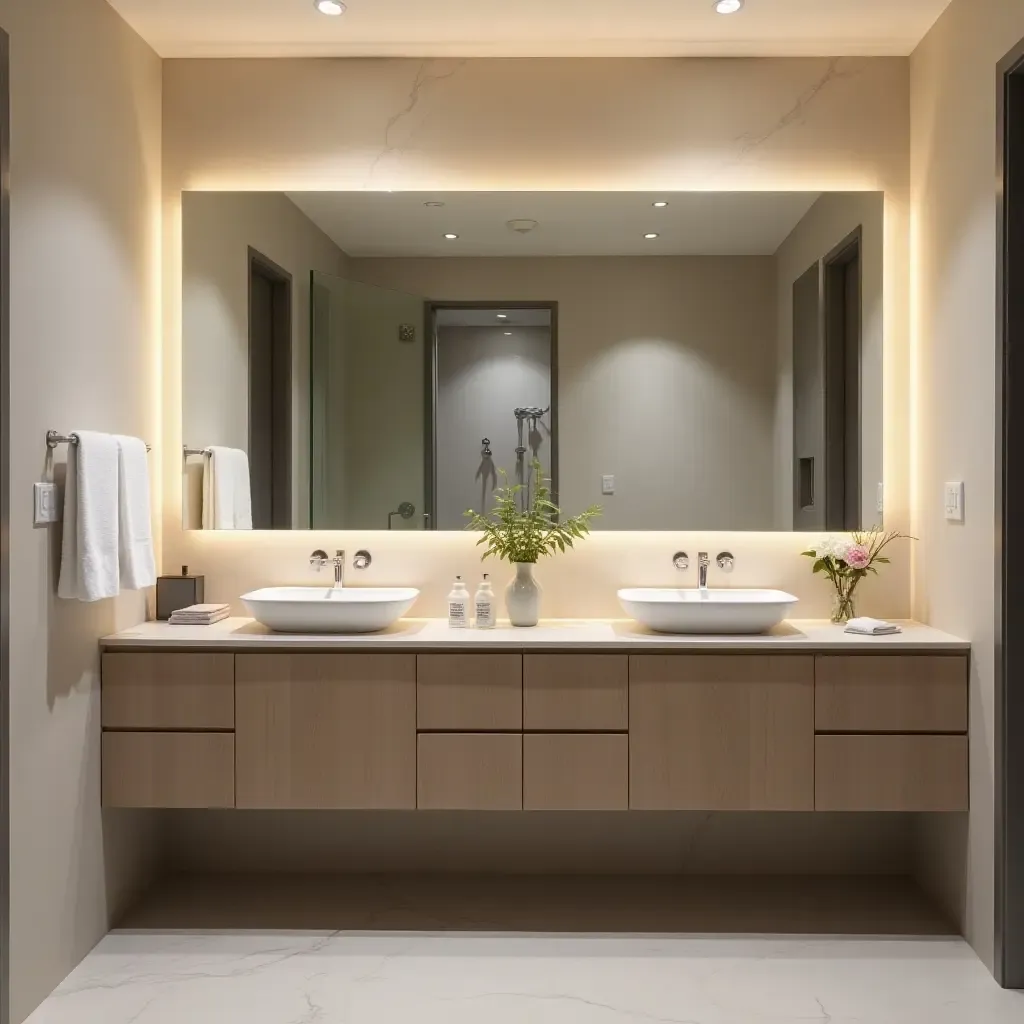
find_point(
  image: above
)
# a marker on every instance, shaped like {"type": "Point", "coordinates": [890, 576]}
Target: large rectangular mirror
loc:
{"type": "Point", "coordinates": [377, 360]}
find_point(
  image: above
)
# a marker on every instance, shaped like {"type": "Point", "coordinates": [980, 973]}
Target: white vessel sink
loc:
{"type": "Point", "coordinates": [329, 610]}
{"type": "Point", "coordinates": [707, 611]}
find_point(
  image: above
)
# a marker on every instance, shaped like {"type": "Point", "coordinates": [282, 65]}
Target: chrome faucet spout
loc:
{"type": "Point", "coordinates": [703, 561]}
{"type": "Point", "coordinates": [339, 569]}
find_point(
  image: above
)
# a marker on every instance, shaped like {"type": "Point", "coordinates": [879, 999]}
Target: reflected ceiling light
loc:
{"type": "Point", "coordinates": [434, 204]}
{"type": "Point", "coordinates": [508, 334]}
{"type": "Point", "coordinates": [450, 235]}
{"type": "Point", "coordinates": [503, 316]}
{"type": "Point", "coordinates": [728, 6]}
{"type": "Point", "coordinates": [332, 7]}
{"type": "Point", "coordinates": [651, 234]}
{"type": "Point", "coordinates": [660, 203]}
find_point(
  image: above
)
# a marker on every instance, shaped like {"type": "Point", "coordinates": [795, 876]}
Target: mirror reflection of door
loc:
{"type": "Point", "coordinates": [270, 393]}
{"type": "Point", "coordinates": [827, 417]}
{"type": "Point", "coordinates": [367, 381]}
{"type": "Point", "coordinates": [492, 382]}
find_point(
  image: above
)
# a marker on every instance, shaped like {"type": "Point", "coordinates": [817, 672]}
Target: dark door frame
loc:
{"type": "Point", "coordinates": [1009, 526]}
{"type": "Point", "coordinates": [5, 520]}
{"type": "Point", "coordinates": [842, 375]}
{"type": "Point", "coordinates": [430, 351]}
{"type": "Point", "coordinates": [281, 438]}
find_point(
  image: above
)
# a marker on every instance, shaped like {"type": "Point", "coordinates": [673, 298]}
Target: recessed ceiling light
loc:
{"type": "Point", "coordinates": [332, 7]}
{"type": "Point", "coordinates": [659, 204]}
{"type": "Point", "coordinates": [651, 234]}
{"type": "Point", "coordinates": [728, 6]}
{"type": "Point", "coordinates": [434, 204]}
{"type": "Point", "coordinates": [450, 235]}
{"type": "Point", "coordinates": [508, 334]}
{"type": "Point", "coordinates": [503, 316]}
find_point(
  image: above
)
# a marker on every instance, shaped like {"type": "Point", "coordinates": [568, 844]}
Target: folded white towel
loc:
{"type": "Point", "coordinates": [872, 627]}
{"type": "Point", "coordinates": [137, 568]}
{"type": "Point", "coordinates": [89, 556]}
{"type": "Point", "coordinates": [227, 495]}
{"type": "Point", "coordinates": [200, 615]}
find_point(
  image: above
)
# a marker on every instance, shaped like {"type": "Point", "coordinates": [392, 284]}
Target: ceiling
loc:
{"type": "Point", "coordinates": [530, 28]}
{"type": "Point", "coordinates": [499, 319]}
{"type": "Point", "coordinates": [568, 223]}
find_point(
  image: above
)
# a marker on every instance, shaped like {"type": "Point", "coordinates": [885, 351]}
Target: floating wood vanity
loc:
{"type": "Point", "coordinates": [587, 717]}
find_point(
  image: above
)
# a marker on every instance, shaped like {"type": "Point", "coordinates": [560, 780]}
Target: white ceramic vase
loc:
{"type": "Point", "coordinates": [522, 596]}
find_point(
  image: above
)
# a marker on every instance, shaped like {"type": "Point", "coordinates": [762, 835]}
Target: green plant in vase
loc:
{"type": "Point", "coordinates": [522, 536]}
{"type": "Point", "coordinates": [847, 560]}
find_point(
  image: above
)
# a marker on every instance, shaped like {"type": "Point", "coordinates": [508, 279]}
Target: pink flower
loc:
{"type": "Point", "coordinates": [858, 557]}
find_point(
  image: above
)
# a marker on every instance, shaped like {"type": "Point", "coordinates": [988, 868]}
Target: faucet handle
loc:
{"type": "Point", "coordinates": [681, 560]}
{"type": "Point", "coordinates": [339, 557]}
{"type": "Point", "coordinates": [318, 559]}
{"type": "Point", "coordinates": [362, 559]}
{"type": "Point", "coordinates": [726, 561]}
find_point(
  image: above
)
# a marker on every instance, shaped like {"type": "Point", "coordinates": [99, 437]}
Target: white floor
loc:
{"type": "Point", "coordinates": [220, 977]}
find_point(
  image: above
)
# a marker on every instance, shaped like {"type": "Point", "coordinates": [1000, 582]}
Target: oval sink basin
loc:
{"type": "Point", "coordinates": [707, 611]}
{"type": "Point", "coordinates": [329, 610]}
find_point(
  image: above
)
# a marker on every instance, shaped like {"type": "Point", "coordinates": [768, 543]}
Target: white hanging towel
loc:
{"type": "Point", "coordinates": [227, 496]}
{"type": "Point", "coordinates": [137, 564]}
{"type": "Point", "coordinates": [89, 557]}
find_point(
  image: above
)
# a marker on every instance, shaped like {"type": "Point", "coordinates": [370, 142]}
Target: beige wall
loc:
{"type": "Point", "coordinates": [805, 124]}
{"type": "Point", "coordinates": [829, 221]}
{"type": "Point", "coordinates": [953, 163]}
{"type": "Point", "coordinates": [666, 377]}
{"type": "Point", "coordinates": [219, 229]}
{"type": "Point", "coordinates": [85, 302]}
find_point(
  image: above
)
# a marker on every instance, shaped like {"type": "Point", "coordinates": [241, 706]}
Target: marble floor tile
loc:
{"type": "Point", "coordinates": [474, 978]}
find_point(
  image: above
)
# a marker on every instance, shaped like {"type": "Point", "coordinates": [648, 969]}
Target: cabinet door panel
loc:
{"type": "Point", "coordinates": [575, 772]}
{"type": "Point", "coordinates": [891, 773]}
{"type": "Point", "coordinates": [470, 692]}
{"type": "Point", "coordinates": [890, 693]}
{"type": "Point", "coordinates": [168, 691]}
{"type": "Point", "coordinates": [470, 771]}
{"type": "Point", "coordinates": [576, 692]}
{"type": "Point", "coordinates": [168, 769]}
{"type": "Point", "coordinates": [326, 730]}
{"type": "Point", "coordinates": [721, 732]}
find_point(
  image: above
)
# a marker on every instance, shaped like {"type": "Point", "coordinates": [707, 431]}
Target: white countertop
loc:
{"type": "Point", "coordinates": [239, 634]}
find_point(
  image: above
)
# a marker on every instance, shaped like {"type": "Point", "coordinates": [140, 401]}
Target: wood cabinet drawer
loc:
{"type": "Point", "coordinates": [168, 769]}
{"type": "Point", "coordinates": [470, 771]}
{"type": "Point", "coordinates": [890, 693]}
{"type": "Point", "coordinates": [721, 732]}
{"type": "Point", "coordinates": [468, 692]}
{"type": "Point", "coordinates": [575, 772]}
{"type": "Point", "coordinates": [891, 773]}
{"type": "Point", "coordinates": [168, 691]}
{"type": "Point", "coordinates": [587, 692]}
{"type": "Point", "coordinates": [326, 731]}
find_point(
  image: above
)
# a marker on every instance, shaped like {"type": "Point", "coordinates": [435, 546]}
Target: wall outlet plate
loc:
{"type": "Point", "coordinates": [45, 499]}
{"type": "Point", "coordinates": [954, 501]}
{"type": "Point", "coordinates": [608, 484]}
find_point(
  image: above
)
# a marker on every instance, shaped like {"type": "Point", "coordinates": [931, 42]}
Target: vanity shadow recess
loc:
{"type": "Point", "coordinates": [536, 731]}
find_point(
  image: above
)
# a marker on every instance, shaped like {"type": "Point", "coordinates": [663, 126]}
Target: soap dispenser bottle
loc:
{"type": "Point", "coordinates": [484, 604]}
{"type": "Point", "coordinates": [458, 605]}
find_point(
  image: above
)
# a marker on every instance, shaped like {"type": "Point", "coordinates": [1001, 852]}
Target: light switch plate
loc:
{"type": "Point", "coordinates": [880, 499]}
{"type": "Point", "coordinates": [45, 495]}
{"type": "Point", "coordinates": [608, 484]}
{"type": "Point", "coordinates": [954, 501]}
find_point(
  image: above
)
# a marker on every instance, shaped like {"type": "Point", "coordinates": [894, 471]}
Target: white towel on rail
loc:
{"type": "Point", "coordinates": [227, 494]}
{"type": "Point", "coordinates": [89, 556]}
{"type": "Point", "coordinates": [137, 564]}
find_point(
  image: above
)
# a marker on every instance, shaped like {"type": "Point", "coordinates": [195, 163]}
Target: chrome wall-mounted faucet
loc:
{"type": "Point", "coordinates": [702, 570]}
{"type": "Point", "coordinates": [320, 559]}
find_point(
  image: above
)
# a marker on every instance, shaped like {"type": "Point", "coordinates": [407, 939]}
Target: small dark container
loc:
{"type": "Point", "coordinates": [174, 592]}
